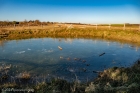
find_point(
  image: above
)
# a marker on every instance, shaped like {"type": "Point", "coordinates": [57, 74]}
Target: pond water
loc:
{"type": "Point", "coordinates": [78, 58]}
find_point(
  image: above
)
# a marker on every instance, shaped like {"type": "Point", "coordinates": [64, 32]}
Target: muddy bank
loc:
{"type": "Point", "coordinates": [112, 80]}
{"type": "Point", "coordinates": [117, 80]}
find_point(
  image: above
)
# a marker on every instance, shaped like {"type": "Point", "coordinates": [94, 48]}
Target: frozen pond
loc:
{"type": "Point", "coordinates": [66, 58]}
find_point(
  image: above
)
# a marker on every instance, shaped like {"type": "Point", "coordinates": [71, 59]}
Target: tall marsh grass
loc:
{"type": "Point", "coordinates": [115, 34]}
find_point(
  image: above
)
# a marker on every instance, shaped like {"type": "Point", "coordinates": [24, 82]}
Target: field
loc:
{"type": "Point", "coordinates": [128, 33]}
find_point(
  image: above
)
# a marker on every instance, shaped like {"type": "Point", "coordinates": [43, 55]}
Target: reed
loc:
{"type": "Point", "coordinates": [112, 80]}
{"type": "Point", "coordinates": [132, 35]}
{"type": "Point", "coordinates": [117, 80]}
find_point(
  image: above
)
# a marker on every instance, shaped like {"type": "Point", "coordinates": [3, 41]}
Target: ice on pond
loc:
{"type": "Point", "coordinates": [45, 50]}
{"type": "Point", "coordinates": [28, 49]}
{"type": "Point", "coordinates": [114, 54]}
{"type": "Point", "coordinates": [49, 50]}
{"type": "Point", "coordinates": [71, 70]}
{"type": "Point", "coordinates": [21, 52]}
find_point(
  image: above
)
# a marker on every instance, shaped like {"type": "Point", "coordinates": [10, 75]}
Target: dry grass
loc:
{"type": "Point", "coordinates": [112, 80]}
{"type": "Point", "coordinates": [117, 80]}
{"type": "Point", "coordinates": [73, 31]}
{"type": "Point", "coordinates": [131, 34]}
{"type": "Point", "coordinates": [51, 26]}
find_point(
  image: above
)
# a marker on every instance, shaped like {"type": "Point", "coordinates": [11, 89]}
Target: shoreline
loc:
{"type": "Point", "coordinates": [111, 80]}
{"type": "Point", "coordinates": [130, 36]}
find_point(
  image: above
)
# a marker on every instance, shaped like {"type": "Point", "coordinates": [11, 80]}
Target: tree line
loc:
{"type": "Point", "coordinates": [24, 23]}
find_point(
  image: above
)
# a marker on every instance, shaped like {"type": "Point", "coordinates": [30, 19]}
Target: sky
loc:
{"type": "Point", "coordinates": [75, 11]}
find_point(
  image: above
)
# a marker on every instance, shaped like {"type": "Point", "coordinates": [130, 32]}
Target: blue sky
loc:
{"type": "Point", "coordinates": [83, 11]}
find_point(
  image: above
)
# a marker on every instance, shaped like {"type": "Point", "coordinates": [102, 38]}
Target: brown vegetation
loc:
{"type": "Point", "coordinates": [112, 80]}
{"type": "Point", "coordinates": [130, 34]}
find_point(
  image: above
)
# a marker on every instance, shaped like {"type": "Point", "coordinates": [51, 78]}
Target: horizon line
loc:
{"type": "Point", "coordinates": [68, 22]}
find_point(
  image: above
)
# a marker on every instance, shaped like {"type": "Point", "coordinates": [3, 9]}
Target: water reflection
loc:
{"type": "Point", "coordinates": [2, 42]}
{"type": "Point", "coordinates": [78, 58]}
{"type": "Point", "coordinates": [136, 48]}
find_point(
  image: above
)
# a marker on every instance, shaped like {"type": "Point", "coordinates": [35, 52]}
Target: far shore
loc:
{"type": "Point", "coordinates": [111, 32]}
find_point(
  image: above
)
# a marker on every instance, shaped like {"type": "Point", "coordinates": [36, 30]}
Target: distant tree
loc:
{"type": "Point", "coordinates": [48, 22]}
{"type": "Point", "coordinates": [25, 22]}
{"type": "Point", "coordinates": [44, 23]}
{"type": "Point", "coordinates": [4, 23]}
{"type": "Point", "coordinates": [15, 22]}
{"type": "Point", "coordinates": [37, 22]}
{"type": "Point", "coordinates": [31, 23]}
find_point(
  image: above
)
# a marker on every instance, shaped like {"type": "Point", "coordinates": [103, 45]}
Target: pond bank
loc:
{"type": "Point", "coordinates": [117, 80]}
{"type": "Point", "coordinates": [111, 34]}
{"type": "Point", "coordinates": [112, 80]}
